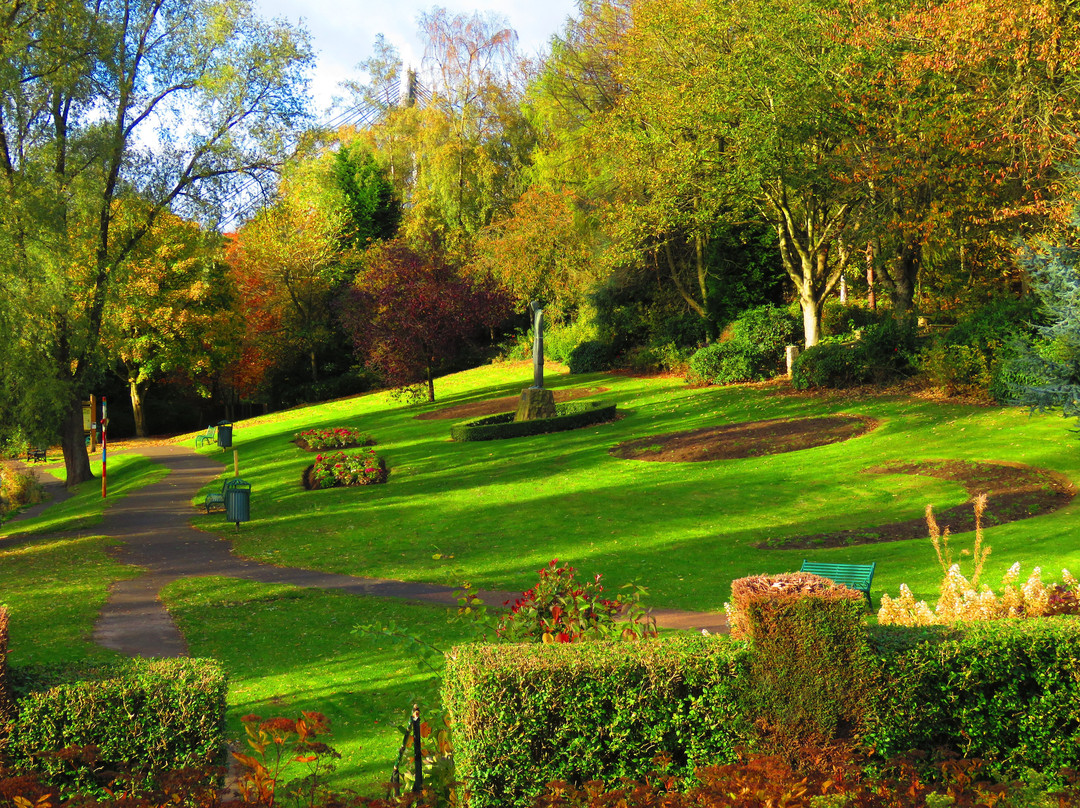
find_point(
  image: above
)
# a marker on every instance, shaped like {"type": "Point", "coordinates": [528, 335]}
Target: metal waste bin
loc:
{"type": "Point", "coordinates": [224, 434]}
{"type": "Point", "coordinates": [237, 501]}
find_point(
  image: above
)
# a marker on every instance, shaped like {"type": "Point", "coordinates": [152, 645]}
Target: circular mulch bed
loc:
{"type": "Point", "coordinates": [306, 481]}
{"type": "Point", "coordinates": [494, 406]}
{"type": "Point", "coordinates": [748, 439]}
{"type": "Point", "coordinates": [1014, 492]}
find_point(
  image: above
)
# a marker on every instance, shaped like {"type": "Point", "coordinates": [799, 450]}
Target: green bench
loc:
{"type": "Point", "coordinates": [855, 576]}
{"type": "Point", "coordinates": [216, 502]}
{"type": "Point", "coordinates": [210, 436]}
{"type": "Point", "coordinates": [36, 454]}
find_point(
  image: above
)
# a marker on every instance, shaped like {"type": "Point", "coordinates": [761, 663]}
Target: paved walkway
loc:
{"type": "Point", "coordinates": [154, 529]}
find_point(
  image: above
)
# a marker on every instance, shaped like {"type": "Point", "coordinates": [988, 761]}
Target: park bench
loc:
{"type": "Point", "coordinates": [856, 576]}
{"type": "Point", "coordinates": [210, 436]}
{"type": "Point", "coordinates": [216, 502]}
{"type": "Point", "coordinates": [35, 454]}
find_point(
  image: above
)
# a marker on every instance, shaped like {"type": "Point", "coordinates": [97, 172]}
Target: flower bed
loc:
{"type": "Point", "coordinates": [337, 469]}
{"type": "Point", "coordinates": [340, 437]}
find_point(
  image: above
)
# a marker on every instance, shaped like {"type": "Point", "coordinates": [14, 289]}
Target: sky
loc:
{"type": "Point", "coordinates": [343, 31]}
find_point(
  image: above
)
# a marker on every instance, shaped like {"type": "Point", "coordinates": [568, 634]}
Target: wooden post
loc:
{"type": "Point", "coordinates": [236, 462]}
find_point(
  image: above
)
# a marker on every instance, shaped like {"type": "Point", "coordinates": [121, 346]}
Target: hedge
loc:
{"type": "Point", "coordinates": [525, 715]}
{"type": "Point", "coordinates": [145, 715]}
{"type": "Point", "coordinates": [1007, 692]}
{"type": "Point", "coordinates": [569, 415]}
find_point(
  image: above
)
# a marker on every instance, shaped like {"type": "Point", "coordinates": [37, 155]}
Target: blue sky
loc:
{"type": "Point", "coordinates": [343, 31]}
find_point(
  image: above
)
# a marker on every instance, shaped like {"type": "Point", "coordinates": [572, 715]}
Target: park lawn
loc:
{"type": "Point", "coordinates": [55, 573]}
{"type": "Point", "coordinates": [288, 650]}
{"type": "Point", "coordinates": [492, 513]}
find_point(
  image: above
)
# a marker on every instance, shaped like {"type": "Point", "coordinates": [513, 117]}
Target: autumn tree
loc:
{"type": "Point", "coordinates": [165, 100]}
{"type": "Point", "coordinates": [169, 308]}
{"type": "Point", "coordinates": [411, 313]}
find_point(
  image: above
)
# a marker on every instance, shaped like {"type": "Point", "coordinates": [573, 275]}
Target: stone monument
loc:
{"type": "Point", "coordinates": [535, 401]}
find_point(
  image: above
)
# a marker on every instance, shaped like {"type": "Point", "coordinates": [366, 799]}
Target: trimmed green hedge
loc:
{"type": "Point", "coordinates": [143, 715]}
{"type": "Point", "coordinates": [570, 415]}
{"type": "Point", "coordinates": [525, 715]}
{"type": "Point", "coordinates": [1005, 691]}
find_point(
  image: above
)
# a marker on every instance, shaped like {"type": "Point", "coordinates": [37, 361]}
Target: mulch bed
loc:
{"type": "Point", "coordinates": [1014, 492]}
{"type": "Point", "coordinates": [750, 439]}
{"type": "Point", "coordinates": [494, 406]}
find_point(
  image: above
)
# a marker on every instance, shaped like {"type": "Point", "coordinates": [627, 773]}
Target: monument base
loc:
{"type": "Point", "coordinates": [535, 402]}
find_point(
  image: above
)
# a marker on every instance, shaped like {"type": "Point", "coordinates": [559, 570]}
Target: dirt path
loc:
{"type": "Point", "coordinates": [153, 525]}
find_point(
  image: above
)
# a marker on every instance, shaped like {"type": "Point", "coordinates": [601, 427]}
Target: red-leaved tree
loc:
{"type": "Point", "coordinates": [411, 312]}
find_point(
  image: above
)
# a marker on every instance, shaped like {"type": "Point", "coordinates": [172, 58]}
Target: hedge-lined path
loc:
{"type": "Point", "coordinates": [153, 526]}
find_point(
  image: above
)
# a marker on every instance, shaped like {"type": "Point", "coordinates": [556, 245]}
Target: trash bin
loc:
{"type": "Point", "coordinates": [224, 434]}
{"type": "Point", "coordinates": [237, 501]}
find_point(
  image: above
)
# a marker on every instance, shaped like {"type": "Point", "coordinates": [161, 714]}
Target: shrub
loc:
{"type": "Point", "coordinates": [559, 608]}
{"type": "Point", "coordinates": [568, 415]}
{"type": "Point", "coordinates": [1004, 691]}
{"type": "Point", "coordinates": [752, 348]}
{"type": "Point", "coordinates": [344, 469]}
{"type": "Point", "coordinates": [146, 715]}
{"type": "Point", "coordinates": [338, 437]}
{"type": "Point", "coordinates": [524, 716]}
{"type": "Point", "coordinates": [978, 354]}
{"type": "Point", "coordinates": [827, 364]}
{"type": "Point", "coordinates": [591, 356]}
{"type": "Point", "coordinates": [18, 489]}
{"type": "Point", "coordinates": [807, 684]}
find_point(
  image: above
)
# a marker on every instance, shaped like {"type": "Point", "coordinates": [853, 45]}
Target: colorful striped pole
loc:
{"type": "Point", "coordinates": [104, 427]}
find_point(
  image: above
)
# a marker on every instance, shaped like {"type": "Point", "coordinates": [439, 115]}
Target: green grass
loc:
{"type": "Point", "coordinates": [288, 650]}
{"type": "Point", "coordinates": [503, 509]}
{"type": "Point", "coordinates": [54, 586]}
{"type": "Point", "coordinates": [493, 513]}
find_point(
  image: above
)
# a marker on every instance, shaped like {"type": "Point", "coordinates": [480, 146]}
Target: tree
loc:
{"type": "Point", "coordinates": [731, 107]}
{"type": "Point", "coordinates": [410, 313]}
{"type": "Point", "coordinates": [372, 209]}
{"type": "Point", "coordinates": [168, 308]}
{"type": "Point", "coordinates": [168, 101]}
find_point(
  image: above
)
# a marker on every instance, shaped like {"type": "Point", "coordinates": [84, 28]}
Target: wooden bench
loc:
{"type": "Point", "coordinates": [856, 576]}
{"type": "Point", "coordinates": [210, 436]}
{"type": "Point", "coordinates": [35, 454]}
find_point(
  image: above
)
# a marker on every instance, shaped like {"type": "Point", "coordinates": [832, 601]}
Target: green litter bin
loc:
{"type": "Point", "coordinates": [237, 501]}
{"type": "Point", "coordinates": [224, 434]}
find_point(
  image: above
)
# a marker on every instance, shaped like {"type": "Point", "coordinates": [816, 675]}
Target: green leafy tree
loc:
{"type": "Point", "coordinates": [164, 100]}
{"type": "Point", "coordinates": [169, 309]}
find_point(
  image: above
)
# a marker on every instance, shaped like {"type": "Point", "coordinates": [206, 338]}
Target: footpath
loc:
{"type": "Point", "coordinates": [153, 528]}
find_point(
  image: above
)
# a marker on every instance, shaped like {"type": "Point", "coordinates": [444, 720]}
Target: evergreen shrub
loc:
{"type": "Point", "coordinates": [591, 356]}
{"type": "Point", "coordinates": [145, 715]}
{"type": "Point", "coordinates": [1005, 691]}
{"type": "Point", "coordinates": [827, 364]}
{"type": "Point", "coordinates": [524, 716]}
{"type": "Point", "coordinates": [881, 352]}
{"type": "Point", "coordinates": [568, 415]}
{"type": "Point", "coordinates": [752, 348]}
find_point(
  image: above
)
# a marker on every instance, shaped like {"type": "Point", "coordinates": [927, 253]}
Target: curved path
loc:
{"type": "Point", "coordinates": [154, 528]}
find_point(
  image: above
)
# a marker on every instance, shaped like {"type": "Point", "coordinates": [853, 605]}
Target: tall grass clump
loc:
{"type": "Point", "coordinates": [18, 489]}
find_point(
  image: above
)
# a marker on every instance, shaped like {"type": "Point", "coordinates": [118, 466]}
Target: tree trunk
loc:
{"type": "Point", "coordinates": [137, 408]}
{"type": "Point", "coordinates": [73, 442]}
{"type": "Point", "coordinates": [314, 367]}
{"type": "Point", "coordinates": [430, 384]}
{"type": "Point", "coordinates": [905, 274]}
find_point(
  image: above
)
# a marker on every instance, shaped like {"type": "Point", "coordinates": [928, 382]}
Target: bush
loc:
{"type": "Point", "coordinates": [524, 715]}
{"type": "Point", "coordinates": [752, 348]}
{"type": "Point", "coordinates": [827, 364]}
{"type": "Point", "coordinates": [18, 489]}
{"type": "Point", "coordinates": [977, 354]}
{"type": "Point", "coordinates": [1004, 691]}
{"type": "Point", "coordinates": [591, 356]}
{"type": "Point", "coordinates": [144, 715]}
{"type": "Point", "coordinates": [882, 351]}
{"type": "Point", "coordinates": [568, 415]}
{"type": "Point", "coordinates": [339, 469]}
{"type": "Point", "coordinates": [340, 437]}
